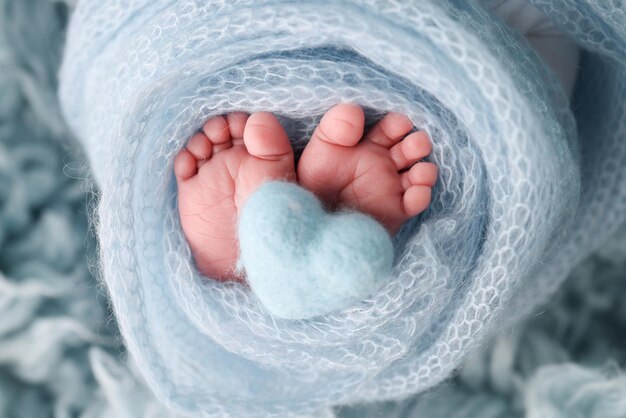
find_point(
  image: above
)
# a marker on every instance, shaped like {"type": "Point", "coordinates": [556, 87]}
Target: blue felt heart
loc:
{"type": "Point", "coordinates": [301, 261]}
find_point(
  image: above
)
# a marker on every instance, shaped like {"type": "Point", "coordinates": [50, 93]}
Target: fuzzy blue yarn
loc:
{"type": "Point", "coordinates": [569, 390]}
{"type": "Point", "coordinates": [301, 261]}
{"type": "Point", "coordinates": [58, 355]}
{"type": "Point", "coordinates": [59, 350]}
{"type": "Point", "coordinates": [527, 186]}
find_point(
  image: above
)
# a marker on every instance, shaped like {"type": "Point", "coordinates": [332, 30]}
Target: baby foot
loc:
{"type": "Point", "coordinates": [378, 175]}
{"type": "Point", "coordinates": [216, 173]}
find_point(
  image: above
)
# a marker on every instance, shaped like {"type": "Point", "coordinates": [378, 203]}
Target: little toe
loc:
{"type": "Point", "coordinates": [185, 165]}
{"type": "Point", "coordinates": [341, 125]}
{"type": "Point", "coordinates": [389, 130]}
{"type": "Point", "coordinates": [217, 131]}
{"type": "Point", "coordinates": [410, 150]}
{"type": "Point", "coordinates": [416, 199]}
{"type": "Point", "coordinates": [265, 138]}
{"type": "Point", "coordinates": [421, 174]}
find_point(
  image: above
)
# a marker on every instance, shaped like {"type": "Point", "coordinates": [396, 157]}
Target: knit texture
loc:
{"type": "Point", "coordinates": [302, 262]}
{"type": "Point", "coordinates": [526, 188]}
{"type": "Point", "coordinates": [59, 348]}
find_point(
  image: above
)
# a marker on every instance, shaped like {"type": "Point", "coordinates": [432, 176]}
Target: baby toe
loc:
{"type": "Point", "coordinates": [410, 150]}
{"type": "Point", "coordinates": [416, 199]}
{"type": "Point", "coordinates": [200, 147]}
{"type": "Point", "coordinates": [217, 131]}
{"type": "Point", "coordinates": [265, 138]}
{"type": "Point", "coordinates": [421, 174]}
{"type": "Point", "coordinates": [342, 125]}
{"type": "Point", "coordinates": [237, 124]}
{"type": "Point", "coordinates": [185, 165]}
{"type": "Point", "coordinates": [390, 130]}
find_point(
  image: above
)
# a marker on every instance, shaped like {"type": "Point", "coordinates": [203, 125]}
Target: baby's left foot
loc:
{"type": "Point", "coordinates": [378, 174]}
{"type": "Point", "coordinates": [216, 173]}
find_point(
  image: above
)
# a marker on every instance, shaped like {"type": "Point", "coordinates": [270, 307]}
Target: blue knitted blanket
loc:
{"type": "Point", "coordinates": [527, 188]}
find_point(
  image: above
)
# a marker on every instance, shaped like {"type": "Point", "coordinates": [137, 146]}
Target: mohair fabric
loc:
{"type": "Point", "coordinates": [59, 355]}
{"type": "Point", "coordinates": [59, 348]}
{"type": "Point", "coordinates": [527, 186]}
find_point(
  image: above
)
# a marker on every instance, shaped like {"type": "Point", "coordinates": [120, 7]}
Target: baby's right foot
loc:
{"type": "Point", "coordinates": [378, 175]}
{"type": "Point", "coordinates": [216, 173]}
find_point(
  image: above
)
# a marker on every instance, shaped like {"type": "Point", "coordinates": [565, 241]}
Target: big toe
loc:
{"type": "Point", "coordinates": [266, 139]}
{"type": "Point", "coordinates": [342, 125]}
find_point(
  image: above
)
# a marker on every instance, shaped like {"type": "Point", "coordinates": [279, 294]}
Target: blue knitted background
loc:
{"type": "Point", "coordinates": [61, 356]}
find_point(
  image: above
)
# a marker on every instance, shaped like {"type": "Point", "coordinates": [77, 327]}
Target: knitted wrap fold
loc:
{"type": "Point", "coordinates": [526, 186]}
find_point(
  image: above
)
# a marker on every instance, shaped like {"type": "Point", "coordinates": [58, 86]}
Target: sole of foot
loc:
{"type": "Point", "coordinates": [378, 172]}
{"type": "Point", "coordinates": [216, 172]}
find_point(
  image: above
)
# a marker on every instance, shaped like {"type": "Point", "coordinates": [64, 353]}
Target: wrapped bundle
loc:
{"type": "Point", "coordinates": [527, 187]}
